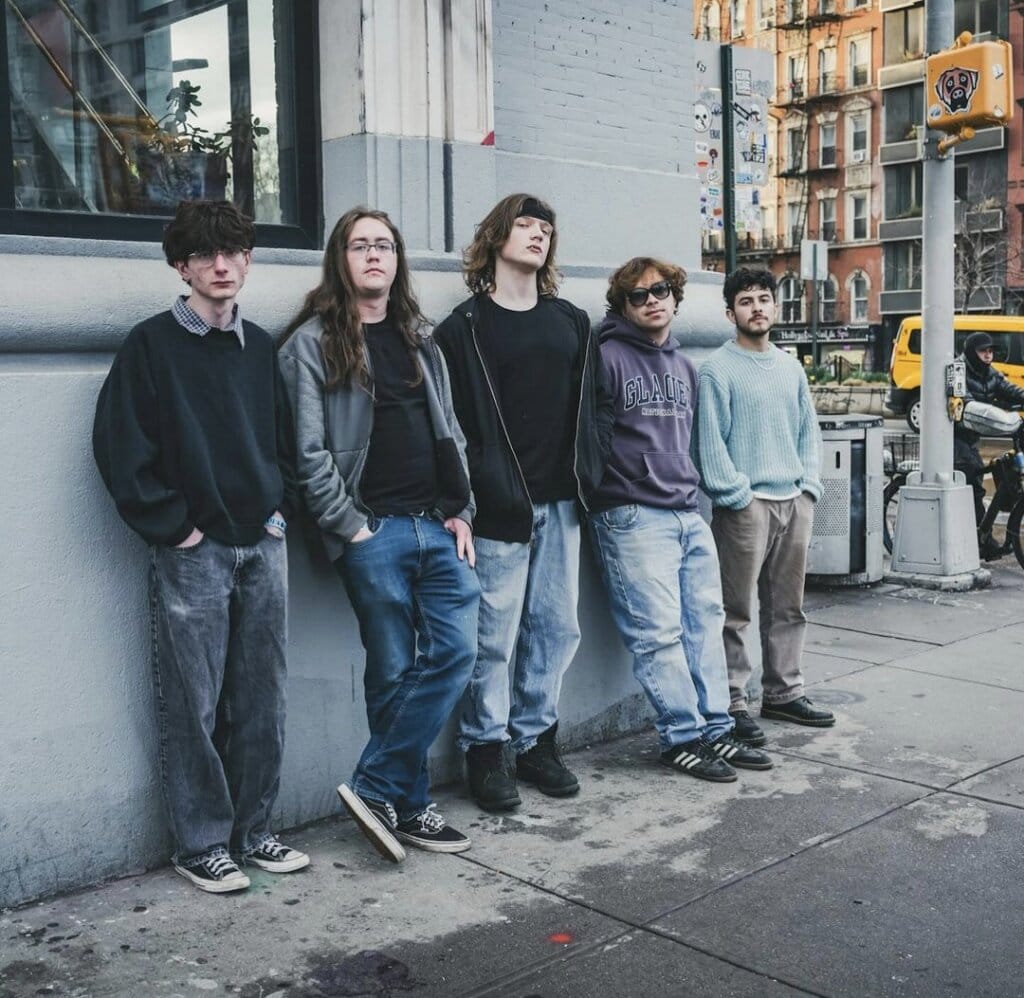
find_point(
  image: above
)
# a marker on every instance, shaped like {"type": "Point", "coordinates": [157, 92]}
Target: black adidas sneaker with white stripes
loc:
{"type": "Point", "coordinates": [736, 753]}
{"type": "Point", "coordinates": [696, 758]}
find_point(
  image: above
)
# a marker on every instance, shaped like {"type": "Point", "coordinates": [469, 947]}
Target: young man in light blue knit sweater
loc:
{"type": "Point", "coordinates": [757, 448]}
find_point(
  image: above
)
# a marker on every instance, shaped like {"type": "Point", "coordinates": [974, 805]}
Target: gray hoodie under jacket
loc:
{"type": "Point", "coordinates": [333, 429]}
{"type": "Point", "coordinates": [655, 391]}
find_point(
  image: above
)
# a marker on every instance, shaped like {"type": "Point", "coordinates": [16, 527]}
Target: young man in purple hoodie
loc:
{"type": "Point", "coordinates": [657, 554]}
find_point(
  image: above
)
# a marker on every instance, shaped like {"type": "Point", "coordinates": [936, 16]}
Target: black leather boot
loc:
{"type": "Point", "coordinates": [492, 776]}
{"type": "Point", "coordinates": [543, 767]}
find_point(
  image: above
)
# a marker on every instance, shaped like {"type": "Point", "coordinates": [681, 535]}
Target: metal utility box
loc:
{"type": "Point", "coordinates": [846, 538]}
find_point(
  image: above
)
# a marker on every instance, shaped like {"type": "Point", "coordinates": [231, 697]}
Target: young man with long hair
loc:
{"type": "Point", "coordinates": [525, 379]}
{"type": "Point", "coordinates": [193, 439]}
{"type": "Point", "coordinates": [763, 486]}
{"type": "Point", "coordinates": [381, 464]}
{"type": "Point", "coordinates": [656, 553]}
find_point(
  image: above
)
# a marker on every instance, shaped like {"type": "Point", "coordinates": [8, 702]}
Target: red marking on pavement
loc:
{"type": "Point", "coordinates": [560, 937]}
{"type": "Point", "coordinates": [488, 139]}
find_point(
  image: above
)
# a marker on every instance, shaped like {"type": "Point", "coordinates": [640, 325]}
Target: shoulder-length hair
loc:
{"type": "Point", "coordinates": [335, 303]}
{"type": "Point", "coordinates": [492, 233]}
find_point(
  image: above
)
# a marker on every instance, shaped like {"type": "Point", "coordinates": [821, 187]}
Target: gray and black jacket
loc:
{"type": "Point", "coordinates": [333, 428]}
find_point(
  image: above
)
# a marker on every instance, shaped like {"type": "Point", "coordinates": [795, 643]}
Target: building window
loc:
{"type": "Point", "coordinates": [765, 13]}
{"type": "Point", "coordinates": [828, 293]}
{"type": "Point", "coordinates": [828, 81]}
{"type": "Point", "coordinates": [976, 16]}
{"type": "Point", "coordinates": [903, 266]}
{"type": "Point", "coordinates": [827, 217]}
{"type": "Point", "coordinates": [796, 71]}
{"type": "Point", "coordinates": [795, 222]}
{"type": "Point", "coordinates": [904, 112]}
{"type": "Point", "coordinates": [960, 182]}
{"type": "Point", "coordinates": [711, 22]}
{"type": "Point", "coordinates": [854, 4]}
{"type": "Point", "coordinates": [857, 217]}
{"type": "Point", "coordinates": [858, 62]}
{"type": "Point", "coordinates": [118, 118]}
{"type": "Point", "coordinates": [904, 185]}
{"type": "Point", "coordinates": [859, 298]}
{"type": "Point", "coordinates": [794, 10]}
{"type": "Point", "coordinates": [904, 35]}
{"type": "Point", "coordinates": [827, 144]}
{"type": "Point", "coordinates": [738, 17]}
{"type": "Point", "coordinates": [857, 138]}
{"type": "Point", "coordinates": [791, 292]}
{"type": "Point", "coordinates": [794, 149]}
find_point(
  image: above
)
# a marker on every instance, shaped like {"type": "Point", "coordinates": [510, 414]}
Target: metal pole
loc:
{"type": "Point", "coordinates": [815, 354]}
{"type": "Point", "coordinates": [935, 536]}
{"type": "Point", "coordinates": [728, 152]}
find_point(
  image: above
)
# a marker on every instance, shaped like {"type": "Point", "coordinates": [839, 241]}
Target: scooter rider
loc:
{"type": "Point", "coordinates": [985, 383]}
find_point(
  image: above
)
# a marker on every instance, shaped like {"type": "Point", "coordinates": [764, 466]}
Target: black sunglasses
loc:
{"type": "Point", "coordinates": [638, 296]}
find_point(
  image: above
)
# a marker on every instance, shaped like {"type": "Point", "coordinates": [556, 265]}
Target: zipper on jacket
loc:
{"type": "Point", "coordinates": [579, 419]}
{"type": "Point", "coordinates": [501, 419]}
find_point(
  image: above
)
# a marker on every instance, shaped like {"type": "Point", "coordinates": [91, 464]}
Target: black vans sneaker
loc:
{"type": "Point", "coordinates": [695, 758]}
{"type": "Point", "coordinates": [428, 830]}
{"type": "Point", "coordinates": [377, 821]}
{"type": "Point", "coordinates": [276, 857]}
{"type": "Point", "coordinates": [215, 875]}
{"type": "Point", "coordinates": [734, 752]}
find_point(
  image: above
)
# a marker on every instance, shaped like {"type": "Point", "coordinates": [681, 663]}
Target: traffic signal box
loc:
{"type": "Point", "coordinates": [970, 86]}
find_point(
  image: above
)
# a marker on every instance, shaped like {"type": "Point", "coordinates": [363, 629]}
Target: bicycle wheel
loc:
{"type": "Point", "coordinates": [890, 506]}
{"type": "Point", "coordinates": [1013, 529]}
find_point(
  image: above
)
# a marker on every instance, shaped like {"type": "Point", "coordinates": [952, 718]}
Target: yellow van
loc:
{"type": "Point", "coordinates": [904, 398]}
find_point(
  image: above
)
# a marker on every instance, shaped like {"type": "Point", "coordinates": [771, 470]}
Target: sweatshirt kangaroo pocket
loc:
{"type": "Point", "coordinates": [668, 474]}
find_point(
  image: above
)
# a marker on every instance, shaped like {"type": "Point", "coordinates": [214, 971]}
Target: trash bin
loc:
{"type": "Point", "coordinates": [846, 538]}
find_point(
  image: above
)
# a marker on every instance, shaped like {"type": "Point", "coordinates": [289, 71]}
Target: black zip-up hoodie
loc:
{"type": "Point", "coordinates": [504, 509]}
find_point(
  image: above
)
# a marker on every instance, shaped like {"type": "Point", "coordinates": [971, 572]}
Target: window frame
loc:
{"type": "Point", "coordinates": [852, 198]}
{"type": "Point", "coordinates": [305, 234]}
{"type": "Point", "coordinates": [794, 305]}
{"type": "Point", "coordinates": [854, 46]}
{"type": "Point", "coordinates": [855, 299]}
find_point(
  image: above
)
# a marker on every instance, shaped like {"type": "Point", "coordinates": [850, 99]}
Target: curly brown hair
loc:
{"type": "Point", "coordinates": [333, 300]}
{"type": "Point", "coordinates": [492, 233]}
{"type": "Point", "coordinates": [205, 227]}
{"type": "Point", "coordinates": [624, 279]}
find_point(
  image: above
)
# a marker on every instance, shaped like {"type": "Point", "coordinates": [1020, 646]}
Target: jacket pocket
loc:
{"type": "Point", "coordinates": [497, 487]}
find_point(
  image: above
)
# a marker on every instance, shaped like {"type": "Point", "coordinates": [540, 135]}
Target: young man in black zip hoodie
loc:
{"type": "Point", "coordinates": [193, 439]}
{"type": "Point", "coordinates": [528, 395]}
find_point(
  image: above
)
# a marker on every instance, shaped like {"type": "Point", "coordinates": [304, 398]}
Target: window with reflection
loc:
{"type": "Point", "coordinates": [791, 293]}
{"type": "Point", "coordinates": [127, 107]}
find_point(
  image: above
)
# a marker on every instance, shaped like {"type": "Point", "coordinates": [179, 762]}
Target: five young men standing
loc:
{"type": "Point", "coordinates": [447, 476]}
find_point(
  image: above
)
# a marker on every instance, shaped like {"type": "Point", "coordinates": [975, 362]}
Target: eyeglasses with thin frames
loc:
{"type": "Point", "coordinates": [638, 296]}
{"type": "Point", "coordinates": [207, 259]}
{"type": "Point", "coordinates": [382, 247]}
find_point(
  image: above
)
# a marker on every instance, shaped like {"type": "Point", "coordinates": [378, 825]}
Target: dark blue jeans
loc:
{"type": "Point", "coordinates": [417, 609]}
{"type": "Point", "coordinates": [219, 628]}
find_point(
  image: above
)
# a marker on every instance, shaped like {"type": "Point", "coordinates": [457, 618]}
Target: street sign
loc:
{"type": "Point", "coordinates": [814, 259]}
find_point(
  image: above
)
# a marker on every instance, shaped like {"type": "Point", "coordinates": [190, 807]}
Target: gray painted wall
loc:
{"type": "Point", "coordinates": [80, 798]}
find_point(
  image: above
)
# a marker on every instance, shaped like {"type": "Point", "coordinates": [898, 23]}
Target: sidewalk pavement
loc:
{"type": "Point", "coordinates": [881, 857]}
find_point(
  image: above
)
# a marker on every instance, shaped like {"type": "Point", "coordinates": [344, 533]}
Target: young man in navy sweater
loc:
{"type": "Point", "coordinates": [656, 553]}
{"type": "Point", "coordinates": [193, 439]}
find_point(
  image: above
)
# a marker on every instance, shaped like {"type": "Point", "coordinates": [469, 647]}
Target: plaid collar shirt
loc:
{"type": "Point", "coordinates": [189, 319]}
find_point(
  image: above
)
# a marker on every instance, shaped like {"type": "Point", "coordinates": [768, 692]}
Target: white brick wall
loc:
{"type": "Point", "coordinates": [598, 81]}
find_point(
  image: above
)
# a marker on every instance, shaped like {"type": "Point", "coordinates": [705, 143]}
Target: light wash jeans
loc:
{"type": "Point", "coordinates": [528, 607]}
{"type": "Point", "coordinates": [417, 609]}
{"type": "Point", "coordinates": [219, 629]}
{"type": "Point", "coordinates": [660, 568]}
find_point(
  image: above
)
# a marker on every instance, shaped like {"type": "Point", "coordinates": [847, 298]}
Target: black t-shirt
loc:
{"type": "Point", "coordinates": [400, 475]}
{"type": "Point", "coordinates": [533, 358]}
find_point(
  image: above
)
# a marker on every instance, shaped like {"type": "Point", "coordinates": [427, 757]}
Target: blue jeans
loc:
{"type": "Point", "coordinates": [219, 629]}
{"type": "Point", "coordinates": [660, 568]}
{"type": "Point", "coordinates": [527, 611]}
{"type": "Point", "coordinates": [417, 609]}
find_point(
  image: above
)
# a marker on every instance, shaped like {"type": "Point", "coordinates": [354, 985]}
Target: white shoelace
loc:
{"type": "Point", "coordinates": [273, 848]}
{"type": "Point", "coordinates": [220, 866]}
{"type": "Point", "coordinates": [430, 820]}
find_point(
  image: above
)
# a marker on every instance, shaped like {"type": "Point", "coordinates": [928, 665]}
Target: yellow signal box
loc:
{"type": "Point", "coordinates": [970, 86]}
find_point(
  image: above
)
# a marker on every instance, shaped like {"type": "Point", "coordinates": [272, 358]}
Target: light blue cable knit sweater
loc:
{"type": "Point", "coordinates": [757, 431]}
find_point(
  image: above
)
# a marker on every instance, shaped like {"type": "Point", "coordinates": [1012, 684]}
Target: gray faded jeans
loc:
{"type": "Point", "coordinates": [219, 629]}
{"type": "Point", "coordinates": [764, 545]}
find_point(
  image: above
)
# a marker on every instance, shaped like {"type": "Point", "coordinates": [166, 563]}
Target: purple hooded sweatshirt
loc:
{"type": "Point", "coordinates": [655, 390]}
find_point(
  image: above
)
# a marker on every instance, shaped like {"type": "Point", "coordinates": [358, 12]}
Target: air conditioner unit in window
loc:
{"type": "Point", "coordinates": [860, 156]}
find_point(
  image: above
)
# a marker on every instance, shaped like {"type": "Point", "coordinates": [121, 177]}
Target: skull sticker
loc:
{"type": "Point", "coordinates": [955, 88]}
{"type": "Point", "coordinates": [701, 117]}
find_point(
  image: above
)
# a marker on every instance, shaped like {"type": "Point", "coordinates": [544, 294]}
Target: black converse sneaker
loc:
{"type": "Point", "coordinates": [276, 857]}
{"type": "Point", "coordinates": [734, 752]}
{"type": "Point", "coordinates": [376, 819]}
{"type": "Point", "coordinates": [695, 758]}
{"type": "Point", "coordinates": [428, 830]}
{"type": "Point", "coordinates": [215, 875]}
